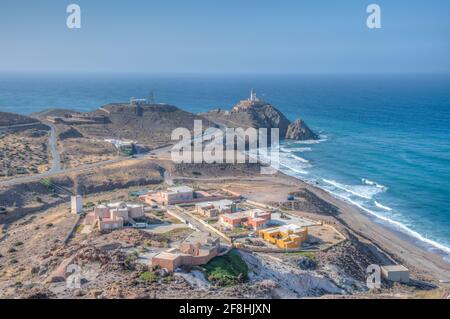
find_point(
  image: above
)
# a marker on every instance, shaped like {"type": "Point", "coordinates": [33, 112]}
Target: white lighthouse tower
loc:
{"type": "Point", "coordinates": [253, 97]}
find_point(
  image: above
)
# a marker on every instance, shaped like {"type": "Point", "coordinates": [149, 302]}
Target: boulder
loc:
{"type": "Point", "coordinates": [299, 131]}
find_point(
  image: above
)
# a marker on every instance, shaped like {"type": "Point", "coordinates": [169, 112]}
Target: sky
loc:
{"type": "Point", "coordinates": [232, 36]}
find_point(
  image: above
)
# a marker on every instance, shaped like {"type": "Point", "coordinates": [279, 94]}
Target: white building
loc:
{"type": "Point", "coordinates": [76, 203]}
{"type": "Point", "coordinates": [395, 273]}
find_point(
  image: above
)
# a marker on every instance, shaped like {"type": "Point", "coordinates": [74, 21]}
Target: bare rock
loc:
{"type": "Point", "coordinates": [299, 131]}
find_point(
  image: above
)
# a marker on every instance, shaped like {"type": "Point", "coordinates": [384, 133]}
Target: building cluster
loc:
{"type": "Point", "coordinates": [114, 216]}
{"type": "Point", "coordinates": [197, 249]}
{"type": "Point", "coordinates": [286, 236]}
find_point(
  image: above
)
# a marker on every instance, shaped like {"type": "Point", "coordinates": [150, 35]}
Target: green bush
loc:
{"type": "Point", "coordinates": [227, 270]}
{"type": "Point", "coordinates": [148, 277]}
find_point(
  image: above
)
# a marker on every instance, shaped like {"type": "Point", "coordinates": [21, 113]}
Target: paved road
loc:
{"type": "Point", "coordinates": [55, 171]}
{"type": "Point", "coordinates": [52, 143]}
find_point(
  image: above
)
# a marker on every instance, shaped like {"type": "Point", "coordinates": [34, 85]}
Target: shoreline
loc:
{"type": "Point", "coordinates": [394, 244]}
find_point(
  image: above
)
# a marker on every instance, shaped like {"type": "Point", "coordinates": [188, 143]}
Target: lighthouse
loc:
{"type": "Point", "coordinates": [253, 97]}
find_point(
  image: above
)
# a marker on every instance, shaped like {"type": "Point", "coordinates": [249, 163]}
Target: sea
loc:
{"type": "Point", "coordinates": [385, 139]}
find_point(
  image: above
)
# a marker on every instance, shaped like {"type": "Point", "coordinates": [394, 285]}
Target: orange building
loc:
{"type": "Point", "coordinates": [255, 218]}
{"type": "Point", "coordinates": [285, 237]}
{"type": "Point", "coordinates": [193, 252]}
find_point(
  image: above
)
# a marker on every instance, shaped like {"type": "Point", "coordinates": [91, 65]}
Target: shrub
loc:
{"type": "Point", "coordinates": [148, 277]}
{"type": "Point", "coordinates": [227, 270]}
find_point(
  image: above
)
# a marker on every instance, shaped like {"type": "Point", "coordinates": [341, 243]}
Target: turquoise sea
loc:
{"type": "Point", "coordinates": [385, 143]}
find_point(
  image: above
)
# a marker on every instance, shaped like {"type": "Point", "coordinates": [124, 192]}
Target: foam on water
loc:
{"type": "Point", "coordinates": [296, 149]}
{"type": "Point", "coordinates": [298, 158]}
{"type": "Point", "coordinates": [382, 206]}
{"type": "Point", "coordinates": [366, 192]}
{"type": "Point", "coordinates": [369, 182]}
{"type": "Point", "coordinates": [322, 138]}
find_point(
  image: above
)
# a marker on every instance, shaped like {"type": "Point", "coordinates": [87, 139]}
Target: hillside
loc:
{"type": "Point", "coordinates": [8, 119]}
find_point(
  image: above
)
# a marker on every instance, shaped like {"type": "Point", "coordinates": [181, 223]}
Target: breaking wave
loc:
{"type": "Point", "coordinates": [382, 206]}
{"type": "Point", "coordinates": [365, 192]}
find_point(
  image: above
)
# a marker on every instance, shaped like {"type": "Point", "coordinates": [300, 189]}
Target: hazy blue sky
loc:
{"type": "Point", "coordinates": [225, 36]}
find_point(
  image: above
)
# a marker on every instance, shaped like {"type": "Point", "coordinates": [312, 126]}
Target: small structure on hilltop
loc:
{"type": "Point", "coordinates": [251, 102]}
{"type": "Point", "coordinates": [214, 209]}
{"type": "Point", "coordinates": [285, 237]}
{"type": "Point", "coordinates": [114, 216]}
{"type": "Point", "coordinates": [395, 273]}
{"type": "Point", "coordinates": [198, 249]}
{"type": "Point", "coordinates": [76, 204]}
{"type": "Point", "coordinates": [254, 218]}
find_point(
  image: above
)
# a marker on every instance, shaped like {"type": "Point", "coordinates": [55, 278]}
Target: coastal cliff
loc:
{"type": "Point", "coordinates": [257, 113]}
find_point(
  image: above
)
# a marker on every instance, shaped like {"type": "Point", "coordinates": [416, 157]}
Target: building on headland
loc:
{"type": "Point", "coordinates": [251, 102]}
{"type": "Point", "coordinates": [395, 273]}
{"type": "Point", "coordinates": [254, 218]}
{"type": "Point", "coordinates": [76, 204]}
{"type": "Point", "coordinates": [286, 236]}
{"type": "Point", "coordinates": [214, 209]}
{"type": "Point", "coordinates": [114, 216]}
{"type": "Point", "coordinates": [198, 249]}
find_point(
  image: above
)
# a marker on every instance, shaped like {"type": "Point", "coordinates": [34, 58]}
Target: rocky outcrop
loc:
{"type": "Point", "coordinates": [298, 130]}
{"type": "Point", "coordinates": [257, 113]}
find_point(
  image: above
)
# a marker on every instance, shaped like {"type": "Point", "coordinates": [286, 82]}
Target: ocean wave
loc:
{"type": "Point", "coordinates": [402, 227]}
{"type": "Point", "coordinates": [296, 149]}
{"type": "Point", "coordinates": [383, 207]}
{"type": "Point", "coordinates": [371, 183]}
{"type": "Point", "coordinates": [365, 192]}
{"type": "Point", "coordinates": [298, 158]}
{"type": "Point", "coordinates": [294, 169]}
{"type": "Point", "coordinates": [311, 142]}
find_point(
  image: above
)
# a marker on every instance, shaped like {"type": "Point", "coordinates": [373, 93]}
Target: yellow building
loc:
{"type": "Point", "coordinates": [285, 237]}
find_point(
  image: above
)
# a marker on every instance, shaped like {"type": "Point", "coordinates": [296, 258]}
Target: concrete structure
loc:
{"type": "Point", "coordinates": [76, 204]}
{"type": "Point", "coordinates": [395, 273]}
{"type": "Point", "coordinates": [114, 216]}
{"type": "Point", "coordinates": [173, 195]}
{"type": "Point", "coordinates": [214, 209]}
{"type": "Point", "coordinates": [254, 218]}
{"type": "Point", "coordinates": [194, 251]}
{"type": "Point", "coordinates": [285, 237]}
{"type": "Point", "coordinates": [186, 195]}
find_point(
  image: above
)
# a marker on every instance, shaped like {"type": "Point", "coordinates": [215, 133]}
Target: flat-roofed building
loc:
{"type": "Point", "coordinates": [214, 209]}
{"type": "Point", "coordinates": [114, 216]}
{"type": "Point", "coordinates": [171, 196]}
{"type": "Point", "coordinates": [395, 273]}
{"type": "Point", "coordinates": [196, 250]}
{"type": "Point", "coordinates": [286, 236]}
{"type": "Point", "coordinates": [76, 204]}
{"type": "Point", "coordinates": [254, 218]}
